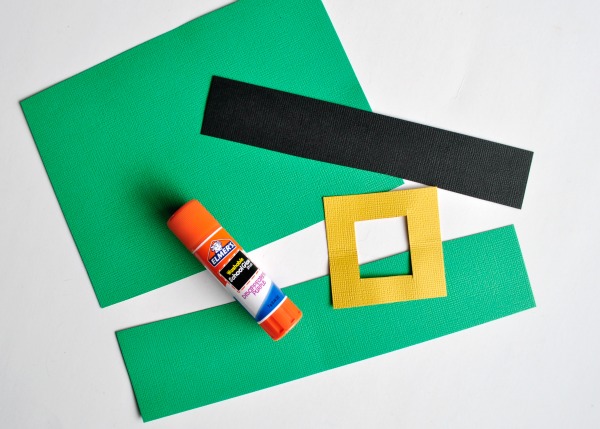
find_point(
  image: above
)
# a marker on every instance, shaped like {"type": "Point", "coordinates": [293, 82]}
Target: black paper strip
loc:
{"type": "Point", "coordinates": [337, 134]}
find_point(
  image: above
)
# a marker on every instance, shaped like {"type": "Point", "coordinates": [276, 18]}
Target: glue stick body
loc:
{"type": "Point", "coordinates": [212, 245]}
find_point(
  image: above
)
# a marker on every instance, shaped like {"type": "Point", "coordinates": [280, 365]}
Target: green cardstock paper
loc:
{"type": "Point", "coordinates": [208, 356]}
{"type": "Point", "coordinates": [122, 147]}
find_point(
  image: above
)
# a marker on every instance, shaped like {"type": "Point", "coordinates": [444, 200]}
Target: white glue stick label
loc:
{"type": "Point", "coordinates": [251, 286]}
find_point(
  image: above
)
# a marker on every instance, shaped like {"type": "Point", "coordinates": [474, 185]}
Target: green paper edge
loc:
{"type": "Point", "coordinates": [208, 356]}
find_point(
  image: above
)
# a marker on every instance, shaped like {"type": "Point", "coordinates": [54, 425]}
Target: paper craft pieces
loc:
{"type": "Point", "coordinates": [427, 279]}
{"type": "Point", "coordinates": [316, 129]}
{"type": "Point", "coordinates": [195, 359]}
{"type": "Point", "coordinates": [122, 146]}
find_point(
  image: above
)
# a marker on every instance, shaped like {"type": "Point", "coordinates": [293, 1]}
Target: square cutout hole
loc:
{"type": "Point", "coordinates": [380, 239]}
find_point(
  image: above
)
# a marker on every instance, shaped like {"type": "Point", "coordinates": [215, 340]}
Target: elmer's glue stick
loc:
{"type": "Point", "coordinates": [200, 232]}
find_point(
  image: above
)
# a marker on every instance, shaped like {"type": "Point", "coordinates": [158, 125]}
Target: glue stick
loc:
{"type": "Point", "coordinates": [200, 232]}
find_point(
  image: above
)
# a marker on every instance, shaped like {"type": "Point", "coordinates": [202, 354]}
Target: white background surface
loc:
{"type": "Point", "coordinates": [525, 73]}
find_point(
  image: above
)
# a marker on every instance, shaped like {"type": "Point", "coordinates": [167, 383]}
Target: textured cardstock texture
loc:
{"type": "Point", "coordinates": [219, 353]}
{"type": "Point", "coordinates": [329, 132]}
{"type": "Point", "coordinates": [122, 146]}
{"type": "Point", "coordinates": [427, 278]}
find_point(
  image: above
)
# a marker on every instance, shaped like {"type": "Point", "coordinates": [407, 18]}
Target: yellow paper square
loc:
{"type": "Point", "coordinates": [420, 207]}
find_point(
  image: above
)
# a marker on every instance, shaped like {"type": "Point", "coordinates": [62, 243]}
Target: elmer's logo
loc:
{"type": "Point", "coordinates": [218, 250]}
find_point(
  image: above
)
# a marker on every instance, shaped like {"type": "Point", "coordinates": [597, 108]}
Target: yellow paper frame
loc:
{"type": "Point", "coordinates": [420, 206]}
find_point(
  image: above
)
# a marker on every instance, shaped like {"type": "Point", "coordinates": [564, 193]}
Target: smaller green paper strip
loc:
{"type": "Point", "coordinates": [219, 353]}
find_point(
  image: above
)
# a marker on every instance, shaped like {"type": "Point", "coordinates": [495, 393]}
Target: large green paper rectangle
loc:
{"type": "Point", "coordinates": [122, 147]}
{"type": "Point", "coordinates": [208, 356]}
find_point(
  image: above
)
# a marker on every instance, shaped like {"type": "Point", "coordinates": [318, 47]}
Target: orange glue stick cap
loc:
{"type": "Point", "coordinates": [192, 224]}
